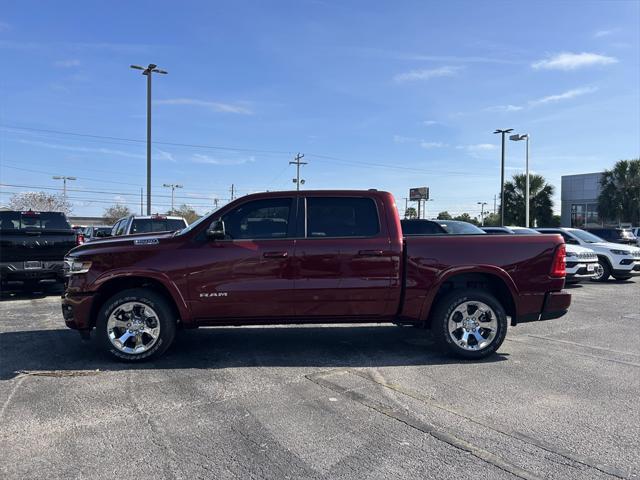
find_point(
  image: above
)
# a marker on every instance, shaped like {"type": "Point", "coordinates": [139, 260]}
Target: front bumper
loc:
{"type": "Point", "coordinates": [631, 268]}
{"type": "Point", "coordinates": [76, 310]}
{"type": "Point", "coordinates": [581, 270]}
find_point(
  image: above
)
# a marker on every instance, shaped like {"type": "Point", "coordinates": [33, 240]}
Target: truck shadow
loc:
{"type": "Point", "coordinates": [61, 353]}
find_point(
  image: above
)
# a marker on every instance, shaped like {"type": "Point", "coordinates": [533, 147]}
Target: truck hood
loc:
{"type": "Point", "coordinates": [139, 239]}
{"type": "Point", "coordinates": [577, 249]}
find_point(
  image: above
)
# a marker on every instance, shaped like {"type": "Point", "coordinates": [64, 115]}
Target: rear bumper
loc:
{"type": "Point", "coordinates": [76, 310]}
{"type": "Point", "coordinates": [555, 305]}
{"type": "Point", "coordinates": [14, 273]}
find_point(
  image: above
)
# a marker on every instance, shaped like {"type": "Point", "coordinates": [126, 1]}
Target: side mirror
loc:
{"type": "Point", "coordinates": [216, 230]}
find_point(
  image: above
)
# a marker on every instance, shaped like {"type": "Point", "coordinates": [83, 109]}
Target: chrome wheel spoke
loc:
{"type": "Point", "coordinates": [133, 328]}
{"type": "Point", "coordinates": [472, 325]}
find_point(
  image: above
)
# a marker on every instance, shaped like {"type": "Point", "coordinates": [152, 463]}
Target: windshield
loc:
{"type": "Point", "coordinates": [33, 220]}
{"type": "Point", "coordinates": [145, 225]}
{"type": "Point", "coordinates": [460, 228]}
{"type": "Point", "coordinates": [587, 237]}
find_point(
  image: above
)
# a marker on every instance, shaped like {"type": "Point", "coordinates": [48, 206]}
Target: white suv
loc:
{"type": "Point", "coordinates": [621, 261]}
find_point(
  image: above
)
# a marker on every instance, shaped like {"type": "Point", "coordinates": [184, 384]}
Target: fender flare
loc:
{"type": "Point", "coordinates": [445, 275]}
{"type": "Point", "coordinates": [156, 275]}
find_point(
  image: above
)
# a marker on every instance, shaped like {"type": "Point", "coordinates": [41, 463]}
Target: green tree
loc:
{"type": "Point", "coordinates": [185, 211]}
{"type": "Point", "coordinates": [115, 212]}
{"type": "Point", "coordinates": [444, 216]}
{"type": "Point", "coordinates": [619, 198]}
{"type": "Point", "coordinates": [410, 213]}
{"type": "Point", "coordinates": [541, 201]}
{"type": "Point", "coordinates": [465, 217]}
{"type": "Point", "coordinates": [492, 220]}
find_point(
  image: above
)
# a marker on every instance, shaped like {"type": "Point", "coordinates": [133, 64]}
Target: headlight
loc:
{"type": "Point", "coordinates": [73, 265]}
{"type": "Point", "coordinates": [620, 252]}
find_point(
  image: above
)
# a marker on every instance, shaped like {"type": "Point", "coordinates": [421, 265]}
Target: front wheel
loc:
{"type": "Point", "coordinates": [622, 278]}
{"type": "Point", "coordinates": [469, 323]}
{"type": "Point", "coordinates": [136, 325]}
{"type": "Point", "coordinates": [602, 271]}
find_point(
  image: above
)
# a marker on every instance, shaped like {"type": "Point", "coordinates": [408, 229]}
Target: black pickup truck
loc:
{"type": "Point", "coordinates": [32, 248]}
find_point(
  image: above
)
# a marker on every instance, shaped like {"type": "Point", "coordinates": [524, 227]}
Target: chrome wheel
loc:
{"type": "Point", "coordinates": [133, 327]}
{"type": "Point", "coordinates": [598, 271]}
{"type": "Point", "coordinates": [473, 325]}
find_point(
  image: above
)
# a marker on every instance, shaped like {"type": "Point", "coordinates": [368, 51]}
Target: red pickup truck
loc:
{"type": "Point", "coordinates": [311, 257]}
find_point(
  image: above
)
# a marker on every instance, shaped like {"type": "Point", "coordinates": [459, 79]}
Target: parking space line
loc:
{"type": "Point", "coordinates": [586, 461]}
{"type": "Point", "coordinates": [319, 378]}
{"type": "Point", "coordinates": [582, 345]}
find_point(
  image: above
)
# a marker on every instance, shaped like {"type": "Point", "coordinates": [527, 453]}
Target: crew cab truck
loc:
{"type": "Point", "coordinates": [32, 248]}
{"type": "Point", "coordinates": [311, 257]}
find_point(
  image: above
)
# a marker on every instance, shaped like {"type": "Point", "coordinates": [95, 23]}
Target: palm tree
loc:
{"type": "Point", "coordinates": [620, 194]}
{"type": "Point", "coordinates": [541, 202]}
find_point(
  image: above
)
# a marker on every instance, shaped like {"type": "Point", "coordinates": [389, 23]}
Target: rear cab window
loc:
{"type": "Point", "coordinates": [147, 225]}
{"type": "Point", "coordinates": [33, 220]}
{"type": "Point", "coordinates": [334, 217]}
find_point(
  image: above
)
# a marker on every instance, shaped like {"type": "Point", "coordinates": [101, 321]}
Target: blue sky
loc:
{"type": "Point", "coordinates": [386, 95]}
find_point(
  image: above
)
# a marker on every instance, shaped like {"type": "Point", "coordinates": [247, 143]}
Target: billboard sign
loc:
{"type": "Point", "coordinates": [420, 193]}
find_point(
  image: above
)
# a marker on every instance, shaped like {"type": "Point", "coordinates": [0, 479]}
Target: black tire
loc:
{"type": "Point", "coordinates": [622, 278]}
{"type": "Point", "coordinates": [446, 307]}
{"type": "Point", "coordinates": [166, 319]}
{"type": "Point", "coordinates": [603, 270]}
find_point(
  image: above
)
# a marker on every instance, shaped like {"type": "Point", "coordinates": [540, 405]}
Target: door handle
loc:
{"type": "Point", "coordinates": [275, 254]}
{"type": "Point", "coordinates": [370, 253]}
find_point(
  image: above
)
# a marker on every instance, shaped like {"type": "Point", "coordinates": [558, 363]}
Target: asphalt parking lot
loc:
{"type": "Point", "coordinates": [559, 401]}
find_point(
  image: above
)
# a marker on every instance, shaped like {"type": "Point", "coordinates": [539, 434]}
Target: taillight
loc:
{"type": "Point", "coordinates": [79, 239]}
{"type": "Point", "coordinates": [559, 267]}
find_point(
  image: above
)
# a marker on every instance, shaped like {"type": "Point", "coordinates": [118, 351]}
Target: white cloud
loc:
{"type": "Point", "coordinates": [209, 160]}
{"type": "Point", "coordinates": [71, 148]}
{"type": "Point", "coordinates": [426, 74]}
{"type": "Point", "coordinates": [604, 33]}
{"type": "Point", "coordinates": [429, 145]}
{"type": "Point", "coordinates": [164, 155]}
{"type": "Point", "coordinates": [401, 139]}
{"type": "Point", "coordinates": [572, 61]}
{"type": "Point", "coordinates": [4, 27]}
{"type": "Point", "coordinates": [216, 106]}
{"type": "Point", "coordinates": [67, 63]}
{"type": "Point", "coordinates": [569, 94]}
{"type": "Point", "coordinates": [478, 147]}
{"type": "Point", "coordinates": [504, 108]}
{"type": "Point", "coordinates": [429, 123]}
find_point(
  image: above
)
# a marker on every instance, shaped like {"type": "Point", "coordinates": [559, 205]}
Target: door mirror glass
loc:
{"type": "Point", "coordinates": [216, 230]}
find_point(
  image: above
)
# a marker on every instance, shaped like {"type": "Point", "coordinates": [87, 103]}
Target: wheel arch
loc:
{"type": "Point", "coordinates": [108, 287]}
{"type": "Point", "coordinates": [492, 279]}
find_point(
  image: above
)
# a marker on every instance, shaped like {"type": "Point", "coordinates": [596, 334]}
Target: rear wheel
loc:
{"type": "Point", "coordinates": [469, 323]}
{"type": "Point", "coordinates": [136, 325]}
{"type": "Point", "coordinates": [602, 271]}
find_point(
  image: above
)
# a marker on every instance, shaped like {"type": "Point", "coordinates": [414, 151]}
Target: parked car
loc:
{"type": "Point", "coordinates": [458, 227]}
{"type": "Point", "coordinates": [147, 224]}
{"type": "Point", "coordinates": [581, 261]}
{"type": "Point", "coordinates": [614, 259]}
{"type": "Point", "coordinates": [32, 248]}
{"type": "Point", "coordinates": [615, 235]}
{"type": "Point", "coordinates": [636, 232]}
{"type": "Point", "coordinates": [411, 227]}
{"type": "Point", "coordinates": [311, 257]}
{"type": "Point", "coordinates": [96, 232]}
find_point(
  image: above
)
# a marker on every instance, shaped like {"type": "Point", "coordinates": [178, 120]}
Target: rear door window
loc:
{"type": "Point", "coordinates": [33, 220]}
{"type": "Point", "coordinates": [341, 217]}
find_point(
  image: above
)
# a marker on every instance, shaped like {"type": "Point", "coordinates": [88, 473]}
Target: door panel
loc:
{"type": "Point", "coordinates": [243, 279]}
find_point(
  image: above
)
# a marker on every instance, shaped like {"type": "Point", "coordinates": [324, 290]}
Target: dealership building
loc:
{"type": "Point", "coordinates": [579, 200]}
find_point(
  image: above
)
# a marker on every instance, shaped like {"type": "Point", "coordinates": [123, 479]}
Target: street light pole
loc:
{"type": "Point", "coordinates": [482, 204]}
{"type": "Point", "coordinates": [64, 179]}
{"type": "Point", "coordinates": [173, 187]}
{"type": "Point", "coordinates": [527, 199]}
{"type": "Point", "coordinates": [297, 163]}
{"type": "Point", "coordinates": [151, 68]}
{"type": "Point", "coordinates": [503, 133]}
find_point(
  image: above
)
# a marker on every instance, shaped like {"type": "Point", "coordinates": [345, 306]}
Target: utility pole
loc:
{"type": "Point", "coordinates": [141, 202]}
{"type": "Point", "coordinates": [406, 206]}
{"type": "Point", "coordinates": [482, 204]}
{"type": "Point", "coordinates": [503, 133]}
{"type": "Point", "coordinates": [296, 161]}
{"type": "Point", "coordinates": [151, 68]}
{"type": "Point", "coordinates": [494, 204]}
{"type": "Point", "coordinates": [64, 184]}
{"type": "Point", "coordinates": [173, 187]}
{"type": "Point", "coordinates": [232, 191]}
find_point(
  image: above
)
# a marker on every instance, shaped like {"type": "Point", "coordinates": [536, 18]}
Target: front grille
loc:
{"type": "Point", "coordinates": [587, 256]}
